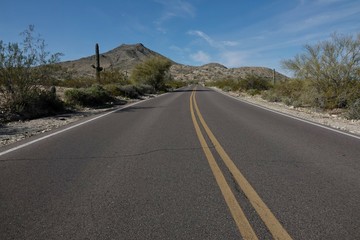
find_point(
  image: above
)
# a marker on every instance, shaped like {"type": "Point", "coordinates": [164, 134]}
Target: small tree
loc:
{"type": "Point", "coordinates": [24, 68]}
{"type": "Point", "coordinates": [154, 72]}
{"type": "Point", "coordinates": [332, 66]}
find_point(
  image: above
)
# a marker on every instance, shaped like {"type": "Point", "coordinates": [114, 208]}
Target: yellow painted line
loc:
{"type": "Point", "coordinates": [241, 221]}
{"type": "Point", "coordinates": [274, 226]}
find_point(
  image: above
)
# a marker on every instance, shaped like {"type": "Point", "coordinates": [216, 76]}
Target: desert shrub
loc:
{"type": "Point", "coordinates": [88, 97]}
{"type": "Point", "coordinates": [252, 84]}
{"type": "Point", "coordinates": [253, 92]}
{"type": "Point", "coordinates": [354, 110]}
{"type": "Point", "coordinates": [176, 84]}
{"type": "Point", "coordinates": [332, 66]}
{"type": "Point", "coordinates": [271, 96]}
{"type": "Point", "coordinates": [255, 83]}
{"type": "Point", "coordinates": [226, 84]}
{"type": "Point", "coordinates": [290, 92]}
{"type": "Point", "coordinates": [77, 82]}
{"type": "Point", "coordinates": [24, 69]}
{"type": "Point", "coordinates": [129, 91]}
{"type": "Point", "coordinates": [113, 89]}
{"type": "Point", "coordinates": [36, 103]}
{"type": "Point", "coordinates": [154, 72]}
{"type": "Point", "coordinates": [226, 88]}
{"type": "Point", "coordinates": [114, 76]}
{"type": "Point", "coordinates": [143, 89]}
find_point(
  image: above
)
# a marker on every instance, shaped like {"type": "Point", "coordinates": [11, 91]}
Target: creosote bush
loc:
{"type": "Point", "coordinates": [252, 84]}
{"type": "Point", "coordinates": [153, 72]}
{"type": "Point", "coordinates": [88, 97]}
{"type": "Point", "coordinates": [77, 82]}
{"type": "Point", "coordinates": [37, 103]}
{"type": "Point", "coordinates": [354, 110]}
{"type": "Point", "coordinates": [289, 92]}
{"type": "Point", "coordinates": [25, 69]}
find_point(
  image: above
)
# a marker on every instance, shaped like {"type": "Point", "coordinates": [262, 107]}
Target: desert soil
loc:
{"type": "Point", "coordinates": [17, 131]}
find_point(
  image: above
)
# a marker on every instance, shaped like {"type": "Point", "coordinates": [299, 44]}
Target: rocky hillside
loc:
{"type": "Point", "coordinates": [215, 71]}
{"type": "Point", "coordinates": [122, 58]}
{"type": "Point", "coordinates": [125, 57]}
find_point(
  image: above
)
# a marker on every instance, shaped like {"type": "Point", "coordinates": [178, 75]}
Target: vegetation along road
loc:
{"type": "Point", "coordinates": [191, 164]}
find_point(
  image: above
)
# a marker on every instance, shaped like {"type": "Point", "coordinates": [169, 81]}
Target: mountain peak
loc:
{"type": "Point", "coordinates": [126, 56]}
{"type": "Point", "coordinates": [123, 58]}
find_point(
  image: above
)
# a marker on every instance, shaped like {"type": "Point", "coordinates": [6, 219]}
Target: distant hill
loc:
{"type": "Point", "coordinates": [215, 71]}
{"type": "Point", "coordinates": [123, 58]}
{"type": "Point", "coordinates": [126, 56]}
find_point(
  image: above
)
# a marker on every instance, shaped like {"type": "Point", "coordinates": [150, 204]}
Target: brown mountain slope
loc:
{"type": "Point", "coordinates": [125, 57]}
{"type": "Point", "coordinates": [122, 58]}
{"type": "Point", "coordinates": [215, 71]}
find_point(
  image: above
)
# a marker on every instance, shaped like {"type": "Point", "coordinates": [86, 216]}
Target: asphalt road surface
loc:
{"type": "Point", "coordinates": [191, 164]}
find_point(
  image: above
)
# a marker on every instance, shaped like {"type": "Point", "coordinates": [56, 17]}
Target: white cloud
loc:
{"type": "Point", "coordinates": [213, 43]}
{"type": "Point", "coordinates": [176, 8]}
{"type": "Point", "coordinates": [319, 15]}
{"type": "Point", "coordinates": [173, 9]}
{"type": "Point", "coordinates": [204, 36]}
{"type": "Point", "coordinates": [201, 57]}
{"type": "Point", "coordinates": [230, 43]}
{"type": "Point", "coordinates": [233, 58]}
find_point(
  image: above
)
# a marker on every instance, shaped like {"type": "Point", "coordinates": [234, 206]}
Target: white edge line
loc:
{"type": "Point", "coordinates": [71, 127]}
{"type": "Point", "coordinates": [288, 115]}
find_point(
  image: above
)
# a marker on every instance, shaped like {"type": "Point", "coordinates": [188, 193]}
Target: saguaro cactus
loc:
{"type": "Point", "coordinates": [98, 69]}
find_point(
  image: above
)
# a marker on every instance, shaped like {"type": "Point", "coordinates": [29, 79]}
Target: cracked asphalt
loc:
{"type": "Point", "coordinates": [141, 173]}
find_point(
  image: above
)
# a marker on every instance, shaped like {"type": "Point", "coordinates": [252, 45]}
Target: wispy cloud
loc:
{"type": "Point", "coordinates": [233, 58]}
{"type": "Point", "coordinates": [204, 36]}
{"type": "Point", "coordinates": [319, 14]}
{"type": "Point", "coordinates": [200, 57]}
{"type": "Point", "coordinates": [173, 9]}
{"type": "Point", "coordinates": [280, 35]}
{"type": "Point", "coordinates": [230, 43]}
{"type": "Point", "coordinates": [219, 50]}
{"type": "Point", "coordinates": [211, 41]}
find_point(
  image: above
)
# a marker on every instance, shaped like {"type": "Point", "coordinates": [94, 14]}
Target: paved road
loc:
{"type": "Point", "coordinates": [185, 165]}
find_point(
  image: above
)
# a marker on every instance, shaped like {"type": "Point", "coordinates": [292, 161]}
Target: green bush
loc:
{"type": "Point", "coordinates": [114, 76]}
{"type": "Point", "coordinates": [34, 104]}
{"type": "Point", "coordinates": [290, 92]}
{"type": "Point", "coordinates": [129, 91]}
{"type": "Point", "coordinates": [79, 82]}
{"type": "Point", "coordinates": [176, 84]}
{"type": "Point", "coordinates": [252, 84]}
{"type": "Point", "coordinates": [25, 68]}
{"type": "Point", "coordinates": [354, 110]}
{"type": "Point", "coordinates": [255, 83]}
{"type": "Point", "coordinates": [253, 92]}
{"type": "Point", "coordinates": [225, 84]}
{"type": "Point", "coordinates": [332, 67]}
{"type": "Point", "coordinates": [154, 72]}
{"type": "Point", "coordinates": [88, 97]}
{"type": "Point", "coordinates": [271, 96]}
{"type": "Point", "coordinates": [143, 89]}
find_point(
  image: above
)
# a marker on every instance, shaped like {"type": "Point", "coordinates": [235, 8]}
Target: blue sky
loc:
{"type": "Point", "coordinates": [194, 32]}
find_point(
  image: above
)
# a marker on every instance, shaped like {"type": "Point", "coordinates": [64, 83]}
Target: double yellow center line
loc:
{"type": "Point", "coordinates": [247, 232]}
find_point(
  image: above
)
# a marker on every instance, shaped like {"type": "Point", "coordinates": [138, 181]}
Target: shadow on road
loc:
{"type": "Point", "coordinates": [137, 108]}
{"type": "Point", "coordinates": [190, 90]}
